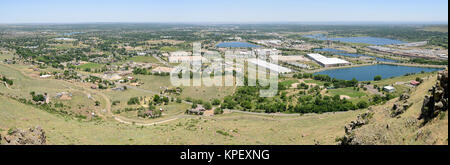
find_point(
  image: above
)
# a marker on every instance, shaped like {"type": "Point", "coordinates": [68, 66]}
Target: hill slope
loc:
{"type": "Point", "coordinates": [404, 120]}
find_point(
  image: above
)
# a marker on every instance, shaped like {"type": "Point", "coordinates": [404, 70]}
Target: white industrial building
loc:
{"type": "Point", "coordinates": [180, 53]}
{"type": "Point", "coordinates": [272, 67]}
{"type": "Point", "coordinates": [328, 62]}
{"type": "Point", "coordinates": [187, 59]}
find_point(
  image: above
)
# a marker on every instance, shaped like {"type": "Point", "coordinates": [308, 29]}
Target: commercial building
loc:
{"type": "Point", "coordinates": [272, 67]}
{"type": "Point", "coordinates": [180, 53]}
{"type": "Point", "coordinates": [186, 59]}
{"type": "Point", "coordinates": [328, 62]}
{"type": "Point", "coordinates": [292, 58]}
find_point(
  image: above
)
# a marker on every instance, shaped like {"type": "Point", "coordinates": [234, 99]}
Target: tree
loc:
{"type": "Point", "coordinates": [208, 106]}
{"type": "Point", "coordinates": [377, 78]}
{"type": "Point", "coordinates": [97, 103]}
{"type": "Point", "coordinates": [362, 104]}
{"type": "Point", "coordinates": [216, 102]}
{"type": "Point", "coordinates": [134, 101]}
{"type": "Point", "coordinates": [218, 111]}
{"type": "Point", "coordinates": [156, 99]}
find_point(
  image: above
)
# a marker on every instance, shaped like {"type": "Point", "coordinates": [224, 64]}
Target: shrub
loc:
{"type": "Point", "coordinates": [134, 101]}
{"type": "Point", "coordinates": [218, 111]}
{"type": "Point", "coordinates": [362, 104]}
{"type": "Point", "coordinates": [377, 78]}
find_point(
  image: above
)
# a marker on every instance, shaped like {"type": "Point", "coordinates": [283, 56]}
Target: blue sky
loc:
{"type": "Point", "coordinates": [239, 11]}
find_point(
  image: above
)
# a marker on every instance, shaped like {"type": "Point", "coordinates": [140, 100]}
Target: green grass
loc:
{"type": "Point", "coordinates": [4, 56]}
{"type": "Point", "coordinates": [23, 85]}
{"type": "Point", "coordinates": [90, 65]}
{"type": "Point", "coordinates": [144, 59]}
{"type": "Point", "coordinates": [401, 79]}
{"type": "Point", "coordinates": [346, 91]}
{"type": "Point", "coordinates": [249, 129]}
{"type": "Point", "coordinates": [320, 83]}
{"type": "Point", "coordinates": [168, 49]}
{"type": "Point", "coordinates": [288, 83]}
{"type": "Point", "coordinates": [154, 83]}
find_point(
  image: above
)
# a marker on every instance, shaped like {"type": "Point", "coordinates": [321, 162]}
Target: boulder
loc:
{"type": "Point", "coordinates": [32, 136]}
{"type": "Point", "coordinates": [404, 96]}
{"type": "Point", "coordinates": [400, 108]}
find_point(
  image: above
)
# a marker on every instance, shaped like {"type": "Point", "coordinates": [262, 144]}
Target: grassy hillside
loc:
{"type": "Point", "coordinates": [234, 128]}
{"type": "Point", "coordinates": [406, 128]}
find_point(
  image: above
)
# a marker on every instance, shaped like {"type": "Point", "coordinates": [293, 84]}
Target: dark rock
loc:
{"type": "Point", "coordinates": [437, 101]}
{"type": "Point", "coordinates": [404, 96]}
{"type": "Point", "coordinates": [399, 109]}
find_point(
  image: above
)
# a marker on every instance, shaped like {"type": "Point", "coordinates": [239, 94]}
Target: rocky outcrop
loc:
{"type": "Point", "coordinates": [404, 97]}
{"type": "Point", "coordinates": [349, 138]}
{"type": "Point", "coordinates": [32, 136]}
{"type": "Point", "coordinates": [437, 101]}
{"type": "Point", "coordinates": [400, 108]}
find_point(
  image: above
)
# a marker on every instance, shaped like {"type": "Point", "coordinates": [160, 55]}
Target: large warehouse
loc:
{"type": "Point", "coordinates": [271, 66]}
{"type": "Point", "coordinates": [328, 62]}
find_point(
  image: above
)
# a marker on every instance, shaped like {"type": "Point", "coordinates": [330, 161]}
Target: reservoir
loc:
{"type": "Point", "coordinates": [367, 73]}
{"type": "Point", "coordinates": [368, 40]}
{"type": "Point", "coordinates": [363, 40]}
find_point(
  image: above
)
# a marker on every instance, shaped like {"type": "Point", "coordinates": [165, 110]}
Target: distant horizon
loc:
{"type": "Point", "coordinates": [215, 11]}
{"type": "Point", "coordinates": [245, 23]}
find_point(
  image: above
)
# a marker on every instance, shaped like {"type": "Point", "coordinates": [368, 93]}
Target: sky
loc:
{"type": "Point", "coordinates": [222, 11]}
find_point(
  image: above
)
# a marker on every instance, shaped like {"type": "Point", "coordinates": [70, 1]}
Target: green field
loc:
{"type": "Point", "coordinates": [144, 59]}
{"type": "Point", "coordinates": [320, 83]}
{"type": "Point", "coordinates": [90, 66]}
{"type": "Point", "coordinates": [168, 49]}
{"type": "Point", "coordinates": [154, 84]}
{"type": "Point", "coordinates": [346, 91]}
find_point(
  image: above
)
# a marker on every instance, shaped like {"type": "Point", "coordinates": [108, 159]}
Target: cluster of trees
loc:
{"type": "Point", "coordinates": [8, 81]}
{"type": "Point", "coordinates": [102, 84]}
{"type": "Point", "coordinates": [134, 101]}
{"type": "Point", "coordinates": [247, 98]}
{"type": "Point", "coordinates": [160, 99]}
{"type": "Point", "coordinates": [143, 71]}
{"type": "Point", "coordinates": [330, 81]}
{"type": "Point", "coordinates": [319, 104]}
{"type": "Point", "coordinates": [38, 97]}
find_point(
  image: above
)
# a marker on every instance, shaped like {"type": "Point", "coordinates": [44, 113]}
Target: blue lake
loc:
{"type": "Point", "coordinates": [368, 40]}
{"type": "Point", "coordinates": [367, 73]}
{"type": "Point", "coordinates": [364, 40]}
{"type": "Point", "coordinates": [236, 45]}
